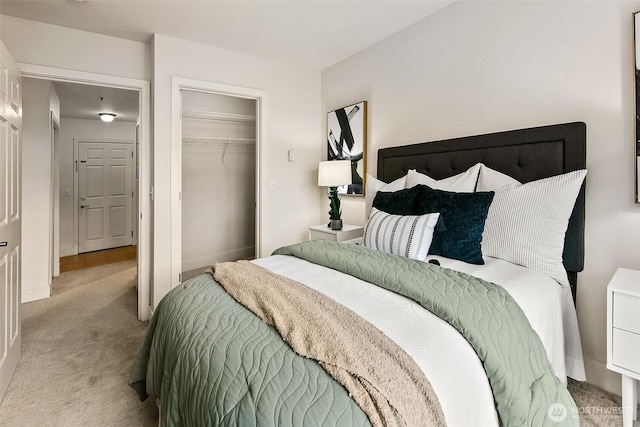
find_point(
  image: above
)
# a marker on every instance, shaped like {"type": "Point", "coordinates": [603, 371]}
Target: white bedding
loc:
{"type": "Point", "coordinates": [447, 359]}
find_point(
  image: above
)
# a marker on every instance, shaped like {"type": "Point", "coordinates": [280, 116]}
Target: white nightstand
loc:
{"type": "Point", "coordinates": [323, 232]}
{"type": "Point", "coordinates": [623, 337]}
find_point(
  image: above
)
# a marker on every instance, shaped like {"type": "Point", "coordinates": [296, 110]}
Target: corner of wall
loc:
{"type": "Point", "coordinates": [35, 293]}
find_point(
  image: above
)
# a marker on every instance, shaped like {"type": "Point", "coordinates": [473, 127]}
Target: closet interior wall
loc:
{"type": "Point", "coordinates": [218, 178]}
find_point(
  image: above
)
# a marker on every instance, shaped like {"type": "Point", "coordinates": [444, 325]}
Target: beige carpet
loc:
{"type": "Point", "coordinates": [597, 408]}
{"type": "Point", "coordinates": [78, 347]}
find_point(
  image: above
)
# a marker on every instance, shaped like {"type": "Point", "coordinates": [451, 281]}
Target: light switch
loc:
{"type": "Point", "coordinates": [67, 191]}
{"type": "Point", "coordinates": [291, 156]}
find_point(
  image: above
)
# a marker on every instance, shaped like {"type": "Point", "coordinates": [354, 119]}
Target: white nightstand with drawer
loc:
{"type": "Point", "coordinates": [323, 232]}
{"type": "Point", "coordinates": [623, 336]}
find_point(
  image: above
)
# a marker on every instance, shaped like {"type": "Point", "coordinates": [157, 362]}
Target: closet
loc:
{"type": "Point", "coordinates": [218, 178]}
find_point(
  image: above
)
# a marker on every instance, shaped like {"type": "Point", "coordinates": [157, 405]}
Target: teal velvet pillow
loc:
{"type": "Point", "coordinates": [462, 216]}
{"type": "Point", "coordinates": [401, 202]}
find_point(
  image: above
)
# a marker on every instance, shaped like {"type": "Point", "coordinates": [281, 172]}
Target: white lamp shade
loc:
{"type": "Point", "coordinates": [334, 173]}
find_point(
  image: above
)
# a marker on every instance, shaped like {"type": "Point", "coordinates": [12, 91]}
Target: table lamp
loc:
{"type": "Point", "coordinates": [332, 174]}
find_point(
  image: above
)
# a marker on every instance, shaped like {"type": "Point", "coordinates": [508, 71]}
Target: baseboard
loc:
{"type": "Point", "coordinates": [194, 263]}
{"type": "Point", "coordinates": [34, 294]}
{"type": "Point", "coordinates": [598, 374]}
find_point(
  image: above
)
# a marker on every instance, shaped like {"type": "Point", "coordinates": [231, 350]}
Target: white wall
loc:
{"type": "Point", "coordinates": [39, 100]}
{"type": "Point", "coordinates": [485, 66]}
{"type": "Point", "coordinates": [37, 43]}
{"type": "Point", "coordinates": [78, 129]}
{"type": "Point", "coordinates": [292, 109]}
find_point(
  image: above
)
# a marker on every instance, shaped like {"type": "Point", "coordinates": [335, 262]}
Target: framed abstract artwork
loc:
{"type": "Point", "coordinates": [347, 140]}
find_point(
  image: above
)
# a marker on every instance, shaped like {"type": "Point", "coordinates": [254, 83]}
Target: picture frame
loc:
{"type": "Point", "coordinates": [347, 140]}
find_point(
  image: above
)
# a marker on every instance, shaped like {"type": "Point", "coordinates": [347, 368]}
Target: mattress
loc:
{"type": "Point", "coordinates": [452, 366]}
{"type": "Point", "coordinates": [210, 359]}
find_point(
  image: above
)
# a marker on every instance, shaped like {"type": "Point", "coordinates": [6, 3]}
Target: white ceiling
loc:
{"type": "Point", "coordinates": [310, 33]}
{"type": "Point", "coordinates": [315, 33]}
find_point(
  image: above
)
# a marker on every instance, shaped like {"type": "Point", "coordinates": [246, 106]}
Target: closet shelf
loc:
{"type": "Point", "coordinates": [217, 117]}
{"type": "Point", "coordinates": [219, 140]}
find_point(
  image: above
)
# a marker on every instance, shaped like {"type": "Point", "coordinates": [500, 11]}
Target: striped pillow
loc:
{"type": "Point", "coordinates": [526, 223]}
{"type": "Point", "coordinates": [404, 235]}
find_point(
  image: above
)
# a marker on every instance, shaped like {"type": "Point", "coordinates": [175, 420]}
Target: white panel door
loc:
{"type": "Point", "coordinates": [105, 188]}
{"type": "Point", "coordinates": [10, 216]}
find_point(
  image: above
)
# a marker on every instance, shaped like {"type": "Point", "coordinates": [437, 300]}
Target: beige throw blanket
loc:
{"type": "Point", "coordinates": [380, 377]}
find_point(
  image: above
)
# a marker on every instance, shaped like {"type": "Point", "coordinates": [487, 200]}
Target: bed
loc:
{"type": "Point", "coordinates": [441, 344]}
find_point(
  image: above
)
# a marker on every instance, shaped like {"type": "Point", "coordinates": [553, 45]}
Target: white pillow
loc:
{"type": "Point", "coordinates": [526, 223]}
{"type": "Point", "coordinates": [491, 180]}
{"type": "Point", "coordinates": [464, 182]}
{"type": "Point", "coordinates": [405, 235]}
{"type": "Point", "coordinates": [374, 185]}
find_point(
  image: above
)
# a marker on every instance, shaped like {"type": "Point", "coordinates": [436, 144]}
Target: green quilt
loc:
{"type": "Point", "coordinates": [212, 362]}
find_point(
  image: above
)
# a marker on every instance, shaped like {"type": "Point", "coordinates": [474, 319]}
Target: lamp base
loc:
{"type": "Point", "coordinates": [335, 224]}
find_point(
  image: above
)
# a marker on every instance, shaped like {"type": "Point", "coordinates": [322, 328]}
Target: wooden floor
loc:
{"type": "Point", "coordinates": [92, 259]}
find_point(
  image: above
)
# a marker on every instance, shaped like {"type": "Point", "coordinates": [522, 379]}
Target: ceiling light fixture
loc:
{"type": "Point", "coordinates": [107, 117]}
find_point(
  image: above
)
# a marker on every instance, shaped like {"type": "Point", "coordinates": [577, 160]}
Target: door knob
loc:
{"type": "Point", "coordinates": [84, 206]}
{"type": "Point", "coordinates": [4, 244]}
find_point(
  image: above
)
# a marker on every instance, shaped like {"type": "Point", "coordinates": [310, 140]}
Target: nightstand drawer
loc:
{"type": "Point", "coordinates": [626, 312]}
{"type": "Point", "coordinates": [626, 350]}
{"type": "Point", "coordinates": [315, 234]}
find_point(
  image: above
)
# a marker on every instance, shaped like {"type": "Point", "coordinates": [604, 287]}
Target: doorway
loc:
{"type": "Point", "coordinates": [141, 91]}
{"type": "Point", "coordinates": [218, 179]}
{"type": "Point", "coordinates": [96, 190]}
{"type": "Point", "coordinates": [251, 111]}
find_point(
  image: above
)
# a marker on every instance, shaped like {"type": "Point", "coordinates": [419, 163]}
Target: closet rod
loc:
{"type": "Point", "coordinates": [220, 117]}
{"type": "Point", "coordinates": [219, 140]}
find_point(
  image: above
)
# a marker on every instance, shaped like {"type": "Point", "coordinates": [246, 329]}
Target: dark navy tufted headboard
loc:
{"type": "Point", "coordinates": [524, 154]}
